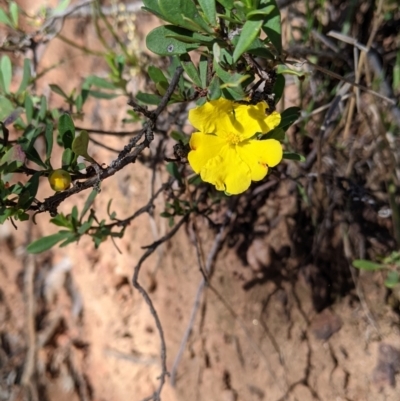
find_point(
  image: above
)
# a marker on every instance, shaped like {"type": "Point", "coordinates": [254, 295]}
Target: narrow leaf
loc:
{"type": "Point", "coordinates": [80, 145]}
{"type": "Point", "coordinates": [289, 116]}
{"type": "Point", "coordinates": [45, 243]}
{"type": "Point", "coordinates": [159, 43]}
{"type": "Point", "coordinates": [209, 9]}
{"type": "Point", "coordinates": [5, 73]}
{"type": "Point", "coordinates": [48, 134]}
{"type": "Point", "coordinates": [88, 203]}
{"type": "Point", "coordinates": [191, 71]}
{"type": "Point", "coordinates": [26, 77]}
{"type": "Point", "coordinates": [363, 264]}
{"type": "Point", "coordinates": [56, 89]}
{"type": "Point", "coordinates": [293, 156]}
{"type": "Point", "coordinates": [66, 129]}
{"type": "Point", "coordinates": [251, 30]}
{"type": "Point", "coordinates": [14, 13]}
{"type": "Point", "coordinates": [272, 25]}
{"type": "Point", "coordinates": [4, 18]}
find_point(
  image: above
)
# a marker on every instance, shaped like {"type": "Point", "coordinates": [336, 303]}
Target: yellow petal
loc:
{"type": "Point", "coordinates": [254, 119]}
{"type": "Point", "coordinates": [204, 147]}
{"type": "Point", "coordinates": [209, 117]}
{"type": "Point", "coordinates": [227, 172]}
{"type": "Point", "coordinates": [259, 155]}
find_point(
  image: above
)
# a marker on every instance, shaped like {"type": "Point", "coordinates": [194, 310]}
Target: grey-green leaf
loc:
{"type": "Point", "coordinates": [14, 13]}
{"type": "Point", "coordinates": [363, 264]}
{"type": "Point", "coordinates": [251, 30]}
{"type": "Point", "coordinates": [26, 77]}
{"type": "Point", "coordinates": [45, 243]}
{"type": "Point", "coordinates": [159, 43]}
{"type": "Point", "coordinates": [209, 9]}
{"type": "Point", "coordinates": [66, 129]}
{"type": "Point", "coordinates": [5, 73]}
{"type": "Point", "coordinates": [272, 25]}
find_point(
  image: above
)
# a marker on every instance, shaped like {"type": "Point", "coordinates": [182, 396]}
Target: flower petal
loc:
{"type": "Point", "coordinates": [204, 147]}
{"type": "Point", "coordinates": [211, 116]}
{"type": "Point", "coordinates": [227, 172]}
{"type": "Point", "coordinates": [259, 155]}
{"type": "Point", "coordinates": [254, 119]}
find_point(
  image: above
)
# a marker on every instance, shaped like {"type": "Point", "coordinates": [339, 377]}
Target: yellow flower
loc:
{"type": "Point", "coordinates": [59, 180]}
{"type": "Point", "coordinates": [223, 153]}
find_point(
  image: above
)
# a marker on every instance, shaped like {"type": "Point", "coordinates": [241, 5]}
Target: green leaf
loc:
{"type": "Point", "coordinates": [5, 213]}
{"type": "Point", "coordinates": [43, 108]}
{"type": "Point", "coordinates": [6, 107]}
{"type": "Point", "coordinates": [45, 243]}
{"type": "Point", "coordinates": [28, 108]}
{"type": "Point", "coordinates": [80, 145]}
{"type": "Point", "coordinates": [74, 215]}
{"type": "Point", "coordinates": [191, 70]}
{"type": "Point", "coordinates": [4, 18]}
{"type": "Point", "coordinates": [102, 95]}
{"type": "Point", "coordinates": [392, 279]}
{"type": "Point", "coordinates": [173, 169]}
{"type": "Point", "coordinates": [88, 203]}
{"type": "Point", "coordinates": [277, 133]}
{"type": "Point", "coordinates": [85, 227]}
{"type": "Point", "coordinates": [68, 157]}
{"type": "Point", "coordinates": [29, 192]}
{"type": "Point", "coordinates": [99, 82]}
{"type": "Point", "coordinates": [228, 4]}
{"type": "Point", "coordinates": [66, 129]}
{"type": "Point", "coordinates": [61, 221]}
{"type": "Point", "coordinates": [159, 42]}
{"type": "Point", "coordinates": [284, 69]}
{"type": "Point", "coordinates": [289, 116]}
{"type": "Point", "coordinates": [363, 264]}
{"type": "Point", "coordinates": [258, 48]}
{"type": "Point", "coordinates": [48, 135]}
{"type": "Point", "coordinates": [183, 13]}
{"type": "Point", "coordinates": [209, 10]}
{"type": "Point", "coordinates": [279, 87]}
{"type": "Point", "coordinates": [156, 75]}
{"type": "Point", "coordinates": [14, 13]}
{"type": "Point", "coordinates": [293, 156]}
{"type": "Point", "coordinates": [153, 7]}
{"type": "Point", "coordinates": [27, 145]}
{"type": "Point", "coordinates": [261, 11]}
{"type": "Point", "coordinates": [148, 98]}
{"type": "Point", "coordinates": [56, 89]}
{"type": "Point", "coordinates": [272, 26]}
{"type": "Point", "coordinates": [214, 90]}
{"type": "Point", "coordinates": [251, 30]}
{"type": "Point", "coordinates": [26, 77]}
{"type": "Point", "coordinates": [195, 180]}
{"type": "Point", "coordinates": [203, 71]}
{"type": "Point", "coordinates": [180, 137]}
{"type": "Point", "coordinates": [5, 74]}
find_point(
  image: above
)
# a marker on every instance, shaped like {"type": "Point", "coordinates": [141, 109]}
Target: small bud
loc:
{"type": "Point", "coordinates": [59, 180]}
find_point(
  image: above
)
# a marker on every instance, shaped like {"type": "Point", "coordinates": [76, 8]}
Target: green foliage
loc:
{"type": "Point", "coordinates": [389, 264]}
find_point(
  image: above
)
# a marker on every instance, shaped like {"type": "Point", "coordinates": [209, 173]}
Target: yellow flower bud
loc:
{"type": "Point", "coordinates": [59, 180]}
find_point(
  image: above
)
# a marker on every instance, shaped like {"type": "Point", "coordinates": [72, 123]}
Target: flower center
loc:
{"type": "Point", "coordinates": [233, 138]}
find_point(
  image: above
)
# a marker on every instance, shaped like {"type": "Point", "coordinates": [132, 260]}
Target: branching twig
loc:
{"type": "Point", "coordinates": [150, 249]}
{"type": "Point", "coordinates": [125, 157]}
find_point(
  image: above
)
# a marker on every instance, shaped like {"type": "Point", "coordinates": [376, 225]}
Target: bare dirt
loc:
{"type": "Point", "coordinates": [286, 325]}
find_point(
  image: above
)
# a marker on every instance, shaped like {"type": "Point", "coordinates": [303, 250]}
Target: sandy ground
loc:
{"type": "Point", "coordinates": [72, 327]}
